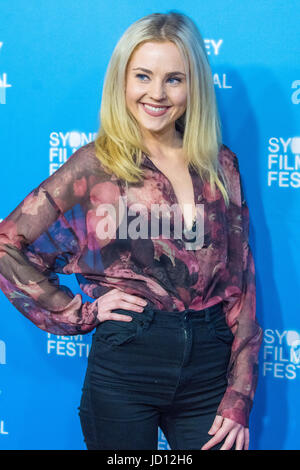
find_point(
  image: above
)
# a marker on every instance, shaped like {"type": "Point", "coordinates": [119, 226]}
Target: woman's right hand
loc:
{"type": "Point", "coordinates": [117, 299]}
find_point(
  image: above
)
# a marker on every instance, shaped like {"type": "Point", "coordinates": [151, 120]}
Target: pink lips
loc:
{"type": "Point", "coordinates": [153, 113]}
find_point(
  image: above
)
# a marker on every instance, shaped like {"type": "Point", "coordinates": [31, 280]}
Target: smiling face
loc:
{"type": "Point", "coordinates": [156, 88]}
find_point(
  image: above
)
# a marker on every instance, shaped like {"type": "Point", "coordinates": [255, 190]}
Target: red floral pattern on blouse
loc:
{"type": "Point", "coordinates": [55, 230]}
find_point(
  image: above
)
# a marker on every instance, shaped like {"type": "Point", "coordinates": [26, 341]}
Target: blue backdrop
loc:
{"type": "Point", "coordinates": [53, 57]}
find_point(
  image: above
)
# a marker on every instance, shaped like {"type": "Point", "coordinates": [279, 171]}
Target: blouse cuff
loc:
{"type": "Point", "coordinates": [236, 407]}
{"type": "Point", "coordinates": [77, 313]}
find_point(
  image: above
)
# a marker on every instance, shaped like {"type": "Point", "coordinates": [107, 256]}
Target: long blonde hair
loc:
{"type": "Point", "coordinates": [119, 144]}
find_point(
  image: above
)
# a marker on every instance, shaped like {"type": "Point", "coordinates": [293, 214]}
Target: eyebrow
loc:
{"type": "Point", "coordinates": [150, 72]}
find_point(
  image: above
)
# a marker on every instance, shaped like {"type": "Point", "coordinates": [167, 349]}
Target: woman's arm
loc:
{"type": "Point", "coordinates": [240, 310]}
{"type": "Point", "coordinates": [36, 241]}
{"type": "Point", "coordinates": [232, 418]}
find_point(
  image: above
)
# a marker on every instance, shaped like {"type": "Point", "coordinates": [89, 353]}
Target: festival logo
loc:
{"type": "Point", "coordinates": [284, 162]}
{"type": "Point", "coordinates": [67, 346]}
{"type": "Point", "coordinates": [281, 354]}
{"type": "Point", "coordinates": [63, 145]}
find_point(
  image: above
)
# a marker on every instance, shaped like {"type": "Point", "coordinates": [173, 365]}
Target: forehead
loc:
{"type": "Point", "coordinates": [153, 53]}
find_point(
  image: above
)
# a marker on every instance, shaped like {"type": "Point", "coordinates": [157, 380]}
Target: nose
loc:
{"type": "Point", "coordinates": [157, 90]}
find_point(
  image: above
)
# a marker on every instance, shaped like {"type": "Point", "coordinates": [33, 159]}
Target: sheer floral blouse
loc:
{"type": "Point", "coordinates": [57, 229]}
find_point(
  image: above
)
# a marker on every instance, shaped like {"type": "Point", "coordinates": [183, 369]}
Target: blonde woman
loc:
{"type": "Point", "coordinates": [152, 219]}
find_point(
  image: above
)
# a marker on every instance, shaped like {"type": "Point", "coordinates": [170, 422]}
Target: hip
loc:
{"type": "Point", "coordinates": [160, 345]}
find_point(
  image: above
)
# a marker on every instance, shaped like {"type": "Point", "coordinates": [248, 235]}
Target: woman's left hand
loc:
{"type": "Point", "coordinates": [235, 432]}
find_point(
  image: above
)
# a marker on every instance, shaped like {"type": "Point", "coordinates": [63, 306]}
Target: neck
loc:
{"type": "Point", "coordinates": [164, 147]}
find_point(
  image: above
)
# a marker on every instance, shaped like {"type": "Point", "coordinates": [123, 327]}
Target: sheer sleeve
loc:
{"type": "Point", "coordinates": [36, 242]}
{"type": "Point", "coordinates": [240, 310]}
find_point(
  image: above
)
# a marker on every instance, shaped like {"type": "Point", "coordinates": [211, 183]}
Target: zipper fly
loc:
{"type": "Point", "coordinates": [187, 345]}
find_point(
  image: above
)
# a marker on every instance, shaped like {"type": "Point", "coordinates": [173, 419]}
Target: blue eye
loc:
{"type": "Point", "coordinates": [174, 78]}
{"type": "Point", "coordinates": [171, 78]}
{"type": "Point", "coordinates": [141, 75]}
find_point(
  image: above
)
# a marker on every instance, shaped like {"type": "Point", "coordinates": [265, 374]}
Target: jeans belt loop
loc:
{"type": "Point", "coordinates": [146, 317]}
{"type": "Point", "coordinates": [207, 315]}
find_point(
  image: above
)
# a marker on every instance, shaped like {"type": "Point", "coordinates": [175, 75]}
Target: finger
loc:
{"type": "Point", "coordinates": [218, 437]}
{"type": "Point", "coordinates": [230, 439]}
{"type": "Point", "coordinates": [108, 315]}
{"type": "Point", "coordinates": [226, 427]}
{"type": "Point", "coordinates": [240, 439]}
{"type": "Point", "coordinates": [120, 317]}
{"type": "Point", "coordinates": [132, 299]}
{"type": "Point", "coordinates": [105, 310]}
{"type": "Point", "coordinates": [216, 424]}
{"type": "Point", "coordinates": [113, 316]}
{"type": "Point", "coordinates": [246, 444]}
{"type": "Point", "coordinates": [117, 294]}
{"type": "Point", "coordinates": [124, 305]}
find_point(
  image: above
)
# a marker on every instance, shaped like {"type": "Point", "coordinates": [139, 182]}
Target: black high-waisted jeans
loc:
{"type": "Point", "coordinates": [162, 369]}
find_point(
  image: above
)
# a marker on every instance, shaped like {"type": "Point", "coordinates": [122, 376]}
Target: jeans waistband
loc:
{"type": "Point", "coordinates": [204, 313]}
{"type": "Point", "coordinates": [151, 314]}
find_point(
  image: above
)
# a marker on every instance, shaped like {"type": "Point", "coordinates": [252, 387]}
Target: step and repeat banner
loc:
{"type": "Point", "coordinates": [53, 57]}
